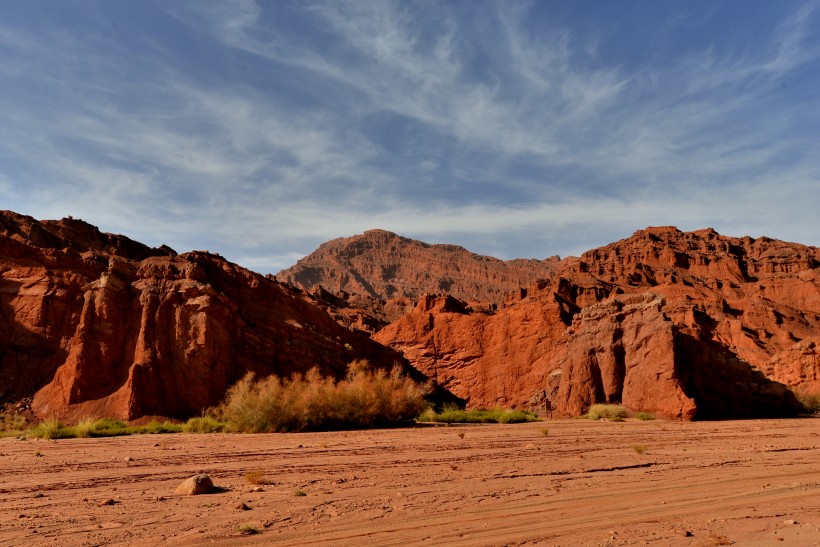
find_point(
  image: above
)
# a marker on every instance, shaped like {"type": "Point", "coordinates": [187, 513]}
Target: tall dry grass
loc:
{"type": "Point", "coordinates": [367, 397]}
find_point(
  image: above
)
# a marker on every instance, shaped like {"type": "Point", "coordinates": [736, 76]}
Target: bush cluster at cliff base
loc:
{"type": "Point", "coordinates": [365, 398]}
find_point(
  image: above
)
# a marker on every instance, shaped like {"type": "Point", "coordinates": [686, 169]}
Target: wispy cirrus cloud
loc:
{"type": "Point", "coordinates": [262, 129]}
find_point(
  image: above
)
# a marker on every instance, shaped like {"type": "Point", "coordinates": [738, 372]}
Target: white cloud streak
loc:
{"type": "Point", "coordinates": [505, 132]}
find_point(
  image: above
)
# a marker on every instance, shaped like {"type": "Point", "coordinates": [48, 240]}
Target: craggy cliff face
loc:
{"type": "Point", "coordinates": [99, 325]}
{"type": "Point", "coordinates": [381, 275]}
{"type": "Point", "coordinates": [686, 325]}
{"type": "Point", "coordinates": [683, 324]}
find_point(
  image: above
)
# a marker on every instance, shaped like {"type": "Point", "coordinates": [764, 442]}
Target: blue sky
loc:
{"type": "Point", "coordinates": [517, 129]}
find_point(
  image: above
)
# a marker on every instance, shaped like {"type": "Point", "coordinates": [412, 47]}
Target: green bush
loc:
{"type": "Point", "coordinates": [11, 424]}
{"type": "Point", "coordinates": [451, 414]}
{"type": "Point", "coordinates": [97, 427]}
{"type": "Point", "coordinates": [613, 413]}
{"type": "Point", "coordinates": [365, 398]}
{"type": "Point", "coordinates": [50, 429]}
{"type": "Point", "coordinates": [154, 427]}
{"type": "Point", "coordinates": [645, 416]}
{"type": "Point", "coordinates": [204, 424]}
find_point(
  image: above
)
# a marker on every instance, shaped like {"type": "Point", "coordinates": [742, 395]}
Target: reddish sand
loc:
{"type": "Point", "coordinates": [581, 483]}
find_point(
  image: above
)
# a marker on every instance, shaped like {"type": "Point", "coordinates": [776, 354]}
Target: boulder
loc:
{"type": "Point", "coordinates": [198, 484]}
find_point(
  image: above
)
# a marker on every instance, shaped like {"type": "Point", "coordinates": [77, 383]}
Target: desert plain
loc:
{"type": "Point", "coordinates": [555, 482]}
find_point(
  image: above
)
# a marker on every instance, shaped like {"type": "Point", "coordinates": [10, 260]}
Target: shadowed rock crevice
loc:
{"type": "Point", "coordinates": [724, 386]}
{"type": "Point", "coordinates": [28, 358]}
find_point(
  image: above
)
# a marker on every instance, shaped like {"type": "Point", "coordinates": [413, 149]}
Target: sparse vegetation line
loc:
{"type": "Point", "coordinates": [452, 414]}
{"type": "Point", "coordinates": [52, 428]}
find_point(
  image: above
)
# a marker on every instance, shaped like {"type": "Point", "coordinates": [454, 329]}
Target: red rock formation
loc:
{"type": "Point", "coordinates": [798, 367]}
{"type": "Point", "coordinates": [681, 324]}
{"type": "Point", "coordinates": [487, 358]}
{"type": "Point", "coordinates": [385, 274]}
{"type": "Point", "coordinates": [626, 350]}
{"type": "Point", "coordinates": [733, 306]}
{"type": "Point", "coordinates": [99, 325]}
{"type": "Point", "coordinates": [622, 351]}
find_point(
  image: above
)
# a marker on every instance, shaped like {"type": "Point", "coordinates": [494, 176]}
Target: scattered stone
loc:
{"type": "Point", "coordinates": [257, 489]}
{"type": "Point", "coordinates": [198, 484]}
{"type": "Point", "coordinates": [790, 522]}
{"type": "Point", "coordinates": [109, 501]}
{"type": "Point", "coordinates": [128, 459]}
{"type": "Point", "coordinates": [242, 506]}
{"type": "Point", "coordinates": [160, 498]}
{"type": "Point", "coordinates": [683, 533]}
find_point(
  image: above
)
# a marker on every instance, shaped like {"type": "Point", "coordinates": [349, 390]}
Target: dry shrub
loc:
{"type": "Point", "coordinates": [258, 477]}
{"type": "Point", "coordinates": [365, 398]}
{"type": "Point", "coordinates": [810, 402]}
{"type": "Point", "coordinates": [613, 413]}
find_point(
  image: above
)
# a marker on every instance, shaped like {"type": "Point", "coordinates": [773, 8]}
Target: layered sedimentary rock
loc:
{"type": "Point", "coordinates": [687, 325]}
{"type": "Point", "coordinates": [627, 350]}
{"type": "Point", "coordinates": [382, 275]}
{"type": "Point", "coordinates": [96, 324]}
{"type": "Point", "coordinates": [736, 315]}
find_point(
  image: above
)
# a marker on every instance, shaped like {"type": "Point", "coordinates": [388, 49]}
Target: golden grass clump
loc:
{"type": "Point", "coordinates": [367, 397]}
{"type": "Point", "coordinates": [258, 477]}
{"type": "Point", "coordinates": [613, 413]}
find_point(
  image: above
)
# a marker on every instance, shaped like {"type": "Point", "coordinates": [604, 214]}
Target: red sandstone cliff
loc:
{"type": "Point", "coordinates": [382, 275]}
{"type": "Point", "coordinates": [688, 325]}
{"type": "Point", "coordinates": [734, 312]}
{"type": "Point", "coordinates": [96, 324]}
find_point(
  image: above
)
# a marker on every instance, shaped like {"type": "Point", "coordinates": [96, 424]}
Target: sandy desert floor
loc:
{"type": "Point", "coordinates": [558, 482]}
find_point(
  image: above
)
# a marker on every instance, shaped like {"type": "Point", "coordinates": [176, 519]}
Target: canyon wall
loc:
{"type": "Point", "coordinates": [97, 325]}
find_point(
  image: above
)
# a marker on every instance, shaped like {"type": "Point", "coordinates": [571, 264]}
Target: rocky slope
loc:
{"type": "Point", "coordinates": [686, 325]}
{"type": "Point", "coordinates": [96, 324]}
{"type": "Point", "coordinates": [379, 276]}
{"type": "Point", "coordinates": [730, 315]}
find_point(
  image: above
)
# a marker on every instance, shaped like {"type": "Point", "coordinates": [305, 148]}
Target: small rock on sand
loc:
{"type": "Point", "coordinates": [198, 484]}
